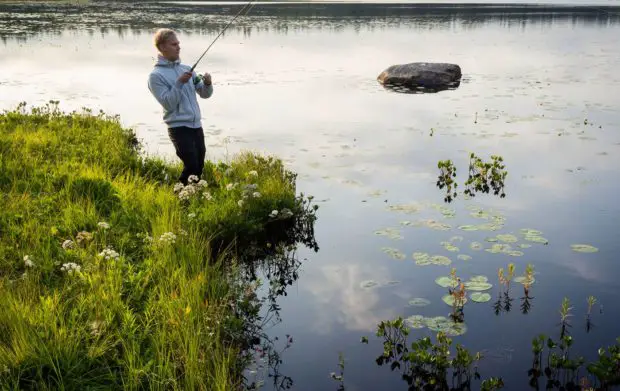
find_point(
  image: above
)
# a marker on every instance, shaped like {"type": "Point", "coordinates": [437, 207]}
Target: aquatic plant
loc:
{"type": "Point", "coordinates": [447, 173]}
{"type": "Point", "coordinates": [483, 177]}
{"type": "Point", "coordinates": [428, 365]}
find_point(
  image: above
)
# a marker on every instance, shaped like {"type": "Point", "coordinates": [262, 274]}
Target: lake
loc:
{"type": "Point", "coordinates": [540, 88]}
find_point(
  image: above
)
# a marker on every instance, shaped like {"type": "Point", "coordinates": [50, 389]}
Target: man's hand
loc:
{"type": "Point", "coordinates": [206, 78]}
{"type": "Point", "coordinates": [184, 78]}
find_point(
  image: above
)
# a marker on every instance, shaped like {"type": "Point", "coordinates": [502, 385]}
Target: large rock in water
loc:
{"type": "Point", "coordinates": [420, 77]}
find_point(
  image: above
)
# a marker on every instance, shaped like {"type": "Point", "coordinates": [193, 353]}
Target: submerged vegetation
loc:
{"type": "Point", "coordinates": [483, 177]}
{"type": "Point", "coordinates": [428, 365]}
{"type": "Point", "coordinates": [112, 277]}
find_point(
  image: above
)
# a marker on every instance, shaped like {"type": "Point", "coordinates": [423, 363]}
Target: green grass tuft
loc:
{"type": "Point", "coordinates": [109, 278]}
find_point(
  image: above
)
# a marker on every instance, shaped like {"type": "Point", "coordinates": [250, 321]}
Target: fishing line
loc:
{"type": "Point", "coordinates": [224, 29]}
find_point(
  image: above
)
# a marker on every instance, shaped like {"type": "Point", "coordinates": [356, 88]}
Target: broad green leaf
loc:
{"type": "Point", "coordinates": [507, 238]}
{"type": "Point", "coordinates": [480, 297]}
{"type": "Point", "coordinates": [478, 286]}
{"type": "Point", "coordinates": [449, 300]}
{"type": "Point", "coordinates": [476, 246]}
{"type": "Point", "coordinates": [446, 282]}
{"type": "Point", "coordinates": [464, 257]}
{"type": "Point", "coordinates": [419, 302]}
{"type": "Point", "coordinates": [391, 233]}
{"type": "Point", "coordinates": [394, 253]}
{"type": "Point", "coordinates": [415, 321]}
{"type": "Point", "coordinates": [449, 246]}
{"type": "Point", "coordinates": [523, 280]}
{"type": "Point", "coordinates": [583, 248]}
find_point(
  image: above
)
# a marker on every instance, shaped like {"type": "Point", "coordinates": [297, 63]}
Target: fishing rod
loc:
{"type": "Point", "coordinates": [222, 32]}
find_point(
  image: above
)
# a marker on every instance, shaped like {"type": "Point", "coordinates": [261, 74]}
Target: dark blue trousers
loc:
{"type": "Point", "coordinates": [189, 144]}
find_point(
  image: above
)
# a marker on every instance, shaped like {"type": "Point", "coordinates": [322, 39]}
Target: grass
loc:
{"type": "Point", "coordinates": [109, 278]}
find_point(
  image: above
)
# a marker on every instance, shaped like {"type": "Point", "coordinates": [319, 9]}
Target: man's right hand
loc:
{"type": "Point", "coordinates": [184, 78]}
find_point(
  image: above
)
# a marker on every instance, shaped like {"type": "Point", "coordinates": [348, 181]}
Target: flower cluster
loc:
{"type": "Point", "coordinates": [103, 225]}
{"type": "Point", "coordinates": [84, 236]}
{"type": "Point", "coordinates": [285, 213]}
{"type": "Point", "coordinates": [146, 238]}
{"type": "Point", "coordinates": [109, 253]}
{"type": "Point", "coordinates": [71, 268]}
{"type": "Point", "coordinates": [27, 261]}
{"type": "Point", "coordinates": [68, 244]}
{"type": "Point", "coordinates": [194, 186]}
{"type": "Point", "coordinates": [168, 237]}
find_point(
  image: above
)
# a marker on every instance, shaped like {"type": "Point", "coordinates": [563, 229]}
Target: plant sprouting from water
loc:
{"type": "Point", "coordinates": [565, 310]}
{"type": "Point", "coordinates": [591, 303]}
{"type": "Point", "coordinates": [484, 176]}
{"type": "Point", "coordinates": [447, 173]}
{"type": "Point", "coordinates": [428, 365]}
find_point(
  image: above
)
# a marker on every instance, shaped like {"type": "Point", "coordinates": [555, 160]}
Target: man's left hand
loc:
{"type": "Point", "coordinates": [206, 78]}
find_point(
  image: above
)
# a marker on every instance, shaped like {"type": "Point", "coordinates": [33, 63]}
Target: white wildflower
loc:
{"type": "Point", "coordinates": [203, 183]}
{"type": "Point", "coordinates": [240, 203]}
{"type": "Point", "coordinates": [68, 244]}
{"type": "Point", "coordinates": [192, 179]}
{"type": "Point", "coordinates": [27, 261]}
{"type": "Point", "coordinates": [207, 196]}
{"type": "Point", "coordinates": [178, 187]}
{"type": "Point", "coordinates": [84, 236]}
{"type": "Point", "coordinates": [183, 232]}
{"type": "Point", "coordinates": [109, 253]}
{"type": "Point", "coordinates": [286, 213]}
{"type": "Point", "coordinates": [252, 186]}
{"type": "Point", "coordinates": [103, 224]}
{"type": "Point", "coordinates": [231, 186]}
{"type": "Point", "coordinates": [274, 213]}
{"type": "Point", "coordinates": [253, 173]}
{"type": "Point", "coordinates": [256, 194]}
{"type": "Point", "coordinates": [168, 237]}
{"type": "Point", "coordinates": [191, 215]}
{"type": "Point", "coordinates": [95, 328]}
{"type": "Point", "coordinates": [71, 268]}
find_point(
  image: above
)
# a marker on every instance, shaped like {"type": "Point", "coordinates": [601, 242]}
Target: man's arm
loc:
{"type": "Point", "coordinates": [168, 97]}
{"type": "Point", "coordinates": [204, 90]}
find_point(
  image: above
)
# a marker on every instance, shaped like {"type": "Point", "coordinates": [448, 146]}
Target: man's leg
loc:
{"type": "Point", "coordinates": [201, 150]}
{"type": "Point", "coordinates": [183, 140]}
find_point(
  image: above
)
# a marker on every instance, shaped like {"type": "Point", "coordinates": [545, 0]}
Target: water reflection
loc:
{"type": "Point", "coordinates": [269, 261]}
{"type": "Point", "coordinates": [22, 20]}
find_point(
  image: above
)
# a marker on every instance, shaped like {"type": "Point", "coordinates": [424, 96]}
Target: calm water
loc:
{"type": "Point", "coordinates": [299, 81]}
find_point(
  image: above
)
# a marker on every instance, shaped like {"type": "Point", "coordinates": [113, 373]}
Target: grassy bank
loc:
{"type": "Point", "coordinates": [111, 278]}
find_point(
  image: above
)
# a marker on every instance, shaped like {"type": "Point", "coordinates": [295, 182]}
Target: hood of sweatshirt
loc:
{"type": "Point", "coordinates": [164, 62]}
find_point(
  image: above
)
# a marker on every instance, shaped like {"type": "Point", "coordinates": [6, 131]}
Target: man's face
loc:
{"type": "Point", "coordinates": [171, 48]}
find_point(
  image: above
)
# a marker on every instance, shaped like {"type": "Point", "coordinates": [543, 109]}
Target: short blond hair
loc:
{"type": "Point", "coordinates": [162, 35]}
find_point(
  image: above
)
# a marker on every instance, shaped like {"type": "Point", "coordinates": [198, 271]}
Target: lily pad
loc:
{"type": "Point", "coordinates": [583, 248]}
{"type": "Point", "coordinates": [480, 214]}
{"type": "Point", "coordinates": [499, 248]}
{"type": "Point", "coordinates": [394, 253]}
{"type": "Point", "coordinates": [507, 238]}
{"type": "Point", "coordinates": [523, 280]}
{"type": "Point", "coordinates": [464, 257]}
{"type": "Point", "coordinates": [492, 240]}
{"type": "Point", "coordinates": [476, 246]}
{"type": "Point", "coordinates": [391, 233]}
{"type": "Point", "coordinates": [449, 300]}
{"type": "Point", "coordinates": [433, 224]}
{"type": "Point", "coordinates": [480, 297]}
{"type": "Point", "coordinates": [440, 260]}
{"type": "Point", "coordinates": [406, 223]}
{"type": "Point", "coordinates": [369, 284]}
{"type": "Point", "coordinates": [530, 232]}
{"type": "Point", "coordinates": [525, 245]}
{"type": "Point", "coordinates": [479, 278]}
{"type": "Point", "coordinates": [445, 325]}
{"type": "Point", "coordinates": [415, 322]}
{"type": "Point", "coordinates": [445, 282]}
{"type": "Point", "coordinates": [456, 239]}
{"type": "Point", "coordinates": [449, 246]}
{"type": "Point", "coordinates": [419, 302]}
{"type": "Point", "coordinates": [478, 286]}
{"type": "Point", "coordinates": [468, 227]}
{"type": "Point", "coordinates": [515, 253]}
{"type": "Point", "coordinates": [536, 239]}
{"type": "Point", "coordinates": [405, 208]}
{"type": "Point", "coordinates": [422, 259]}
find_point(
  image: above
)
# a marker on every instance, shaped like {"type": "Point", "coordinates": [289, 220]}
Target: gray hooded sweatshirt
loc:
{"type": "Point", "coordinates": [177, 99]}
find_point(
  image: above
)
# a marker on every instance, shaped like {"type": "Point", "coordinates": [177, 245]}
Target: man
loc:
{"type": "Point", "coordinates": [175, 88]}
